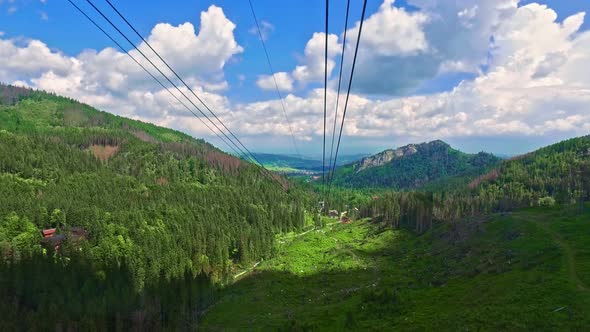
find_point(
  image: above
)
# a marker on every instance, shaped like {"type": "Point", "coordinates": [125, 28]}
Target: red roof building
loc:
{"type": "Point", "coordinates": [48, 232]}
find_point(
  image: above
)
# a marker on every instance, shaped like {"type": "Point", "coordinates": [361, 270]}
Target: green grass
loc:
{"type": "Point", "coordinates": [524, 271]}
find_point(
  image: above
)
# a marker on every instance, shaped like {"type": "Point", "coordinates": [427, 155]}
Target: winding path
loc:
{"type": "Point", "coordinates": [567, 251]}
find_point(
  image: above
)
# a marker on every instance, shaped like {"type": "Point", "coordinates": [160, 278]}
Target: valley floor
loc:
{"type": "Point", "coordinates": [528, 270]}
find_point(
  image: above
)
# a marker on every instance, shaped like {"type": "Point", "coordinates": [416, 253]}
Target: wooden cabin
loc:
{"type": "Point", "coordinates": [53, 240]}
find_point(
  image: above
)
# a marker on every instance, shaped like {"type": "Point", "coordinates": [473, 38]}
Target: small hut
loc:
{"type": "Point", "coordinates": [54, 240]}
{"type": "Point", "coordinates": [48, 232]}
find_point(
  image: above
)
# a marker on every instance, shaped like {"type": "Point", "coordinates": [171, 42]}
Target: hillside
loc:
{"type": "Point", "coordinates": [529, 270]}
{"type": "Point", "coordinates": [137, 217]}
{"type": "Point", "coordinates": [412, 166]}
{"type": "Point", "coordinates": [557, 174]}
{"type": "Point", "coordinates": [560, 171]}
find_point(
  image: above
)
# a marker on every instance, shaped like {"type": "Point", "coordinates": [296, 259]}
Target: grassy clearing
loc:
{"type": "Point", "coordinates": [509, 272]}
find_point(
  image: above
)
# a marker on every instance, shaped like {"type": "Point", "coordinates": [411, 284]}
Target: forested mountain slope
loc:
{"type": "Point", "coordinates": [134, 206]}
{"type": "Point", "coordinates": [560, 171]}
{"type": "Point", "coordinates": [557, 174]}
{"type": "Point", "coordinates": [412, 166]}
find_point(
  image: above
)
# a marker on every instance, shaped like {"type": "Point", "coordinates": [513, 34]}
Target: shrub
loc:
{"type": "Point", "coordinates": [547, 201]}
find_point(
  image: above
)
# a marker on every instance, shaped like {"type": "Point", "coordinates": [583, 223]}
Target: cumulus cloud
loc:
{"type": "Point", "coordinates": [196, 54]}
{"type": "Point", "coordinates": [284, 82]}
{"type": "Point", "coordinates": [110, 80]}
{"type": "Point", "coordinates": [532, 75]}
{"type": "Point", "coordinates": [311, 67]}
{"type": "Point", "coordinates": [537, 81]}
{"type": "Point", "coordinates": [25, 59]}
{"type": "Point", "coordinates": [401, 49]}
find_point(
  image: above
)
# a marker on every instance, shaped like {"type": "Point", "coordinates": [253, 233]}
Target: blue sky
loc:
{"type": "Point", "coordinates": [286, 41]}
{"type": "Point", "coordinates": [57, 25]}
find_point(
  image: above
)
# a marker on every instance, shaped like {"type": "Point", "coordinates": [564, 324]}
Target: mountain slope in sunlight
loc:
{"type": "Point", "coordinates": [525, 271]}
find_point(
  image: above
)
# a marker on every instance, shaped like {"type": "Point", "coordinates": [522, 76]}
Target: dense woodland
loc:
{"type": "Point", "coordinates": [149, 221]}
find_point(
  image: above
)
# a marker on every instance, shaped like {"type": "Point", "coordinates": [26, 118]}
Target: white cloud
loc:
{"type": "Point", "coordinates": [538, 83]}
{"type": "Point", "coordinates": [110, 80]}
{"type": "Point", "coordinates": [400, 50]}
{"type": "Point", "coordinates": [392, 32]}
{"type": "Point", "coordinates": [21, 60]}
{"type": "Point", "coordinates": [198, 54]}
{"type": "Point", "coordinates": [283, 80]}
{"type": "Point", "coordinates": [535, 82]}
{"type": "Point", "coordinates": [311, 67]}
{"type": "Point", "coordinates": [313, 62]}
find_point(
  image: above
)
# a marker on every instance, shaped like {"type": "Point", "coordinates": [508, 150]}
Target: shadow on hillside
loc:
{"type": "Point", "coordinates": [44, 293]}
{"type": "Point", "coordinates": [492, 273]}
{"type": "Point", "coordinates": [482, 273]}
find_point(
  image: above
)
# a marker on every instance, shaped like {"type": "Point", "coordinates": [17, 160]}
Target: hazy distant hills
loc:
{"type": "Point", "coordinates": [300, 165]}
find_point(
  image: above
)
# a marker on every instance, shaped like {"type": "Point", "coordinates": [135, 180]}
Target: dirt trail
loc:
{"type": "Point", "coordinates": [247, 270]}
{"type": "Point", "coordinates": [567, 250]}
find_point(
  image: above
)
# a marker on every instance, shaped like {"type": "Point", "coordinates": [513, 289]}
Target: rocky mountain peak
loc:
{"type": "Point", "coordinates": [389, 155]}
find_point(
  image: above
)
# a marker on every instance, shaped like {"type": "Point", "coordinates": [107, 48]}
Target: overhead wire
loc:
{"type": "Point", "coordinates": [238, 151]}
{"type": "Point", "coordinates": [325, 96]}
{"type": "Point", "coordinates": [339, 84]}
{"type": "Point", "coordinates": [161, 73]}
{"type": "Point", "coordinates": [252, 156]}
{"type": "Point", "coordinates": [349, 86]}
{"type": "Point", "coordinates": [274, 78]}
{"type": "Point", "coordinates": [149, 73]}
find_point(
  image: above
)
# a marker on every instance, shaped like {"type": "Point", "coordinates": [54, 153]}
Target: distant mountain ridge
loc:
{"type": "Point", "coordinates": [299, 165]}
{"type": "Point", "coordinates": [412, 166]}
